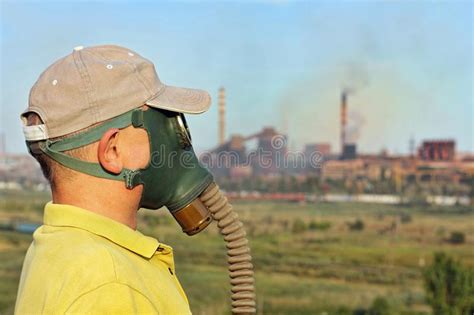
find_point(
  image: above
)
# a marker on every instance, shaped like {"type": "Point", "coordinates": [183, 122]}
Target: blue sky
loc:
{"type": "Point", "coordinates": [409, 64]}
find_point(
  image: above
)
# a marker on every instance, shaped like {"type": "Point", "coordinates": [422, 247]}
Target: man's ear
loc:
{"type": "Point", "coordinates": [108, 152]}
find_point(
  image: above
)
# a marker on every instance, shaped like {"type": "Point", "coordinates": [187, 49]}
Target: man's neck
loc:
{"type": "Point", "coordinates": [107, 198]}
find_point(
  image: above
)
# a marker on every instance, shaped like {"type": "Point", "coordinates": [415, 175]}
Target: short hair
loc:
{"type": "Point", "coordinates": [51, 169]}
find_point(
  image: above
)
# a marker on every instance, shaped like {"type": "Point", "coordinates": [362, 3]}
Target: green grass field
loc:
{"type": "Point", "coordinates": [306, 257]}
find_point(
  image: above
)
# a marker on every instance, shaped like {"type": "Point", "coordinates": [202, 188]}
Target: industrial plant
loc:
{"type": "Point", "coordinates": [261, 162]}
{"type": "Point", "coordinates": [270, 166]}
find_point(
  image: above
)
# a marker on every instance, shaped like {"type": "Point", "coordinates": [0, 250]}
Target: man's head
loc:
{"type": "Point", "coordinates": [116, 149]}
{"type": "Point", "coordinates": [95, 115]}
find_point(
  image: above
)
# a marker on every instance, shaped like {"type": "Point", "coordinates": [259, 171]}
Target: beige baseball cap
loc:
{"type": "Point", "coordinates": [93, 84]}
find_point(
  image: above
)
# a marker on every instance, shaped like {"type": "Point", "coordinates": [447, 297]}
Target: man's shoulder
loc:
{"type": "Point", "coordinates": [71, 250]}
{"type": "Point", "coordinates": [62, 264]}
{"type": "Point", "coordinates": [75, 252]}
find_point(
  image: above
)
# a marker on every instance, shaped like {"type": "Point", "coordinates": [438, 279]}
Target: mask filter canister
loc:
{"type": "Point", "coordinates": [193, 218]}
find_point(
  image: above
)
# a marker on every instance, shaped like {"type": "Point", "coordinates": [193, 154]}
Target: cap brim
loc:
{"type": "Point", "coordinates": [181, 100]}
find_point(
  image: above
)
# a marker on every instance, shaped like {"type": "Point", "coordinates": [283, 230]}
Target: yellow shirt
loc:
{"type": "Point", "coordinates": [84, 263]}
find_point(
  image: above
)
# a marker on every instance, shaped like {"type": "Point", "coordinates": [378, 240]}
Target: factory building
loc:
{"type": "Point", "coordinates": [437, 150]}
{"type": "Point", "coordinates": [270, 153]}
{"type": "Point", "coordinates": [232, 158]}
{"type": "Point", "coordinates": [323, 149]}
{"type": "Point", "coordinates": [349, 151]}
{"type": "Point", "coordinates": [339, 170]}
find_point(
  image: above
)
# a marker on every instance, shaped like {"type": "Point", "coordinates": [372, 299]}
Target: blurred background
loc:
{"type": "Point", "coordinates": [342, 132]}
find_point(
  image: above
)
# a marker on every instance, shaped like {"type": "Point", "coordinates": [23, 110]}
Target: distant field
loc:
{"type": "Point", "coordinates": [307, 258]}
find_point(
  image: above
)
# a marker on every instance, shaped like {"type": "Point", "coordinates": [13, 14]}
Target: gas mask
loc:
{"type": "Point", "coordinates": [173, 178]}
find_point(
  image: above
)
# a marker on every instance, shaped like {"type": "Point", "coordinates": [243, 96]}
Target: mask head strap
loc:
{"type": "Point", "coordinates": [55, 149]}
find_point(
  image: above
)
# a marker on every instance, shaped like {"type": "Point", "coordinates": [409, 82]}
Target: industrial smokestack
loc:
{"type": "Point", "coordinates": [221, 116]}
{"type": "Point", "coordinates": [343, 118]}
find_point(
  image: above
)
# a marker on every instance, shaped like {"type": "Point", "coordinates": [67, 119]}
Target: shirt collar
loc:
{"type": "Point", "coordinates": [120, 234]}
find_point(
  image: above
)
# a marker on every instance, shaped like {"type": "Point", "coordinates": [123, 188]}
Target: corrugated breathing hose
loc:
{"type": "Point", "coordinates": [238, 251]}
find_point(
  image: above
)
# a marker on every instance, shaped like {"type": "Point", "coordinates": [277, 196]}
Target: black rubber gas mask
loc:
{"type": "Point", "coordinates": [173, 177]}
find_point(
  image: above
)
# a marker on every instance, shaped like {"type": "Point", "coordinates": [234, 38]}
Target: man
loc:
{"type": "Point", "coordinates": [88, 256]}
